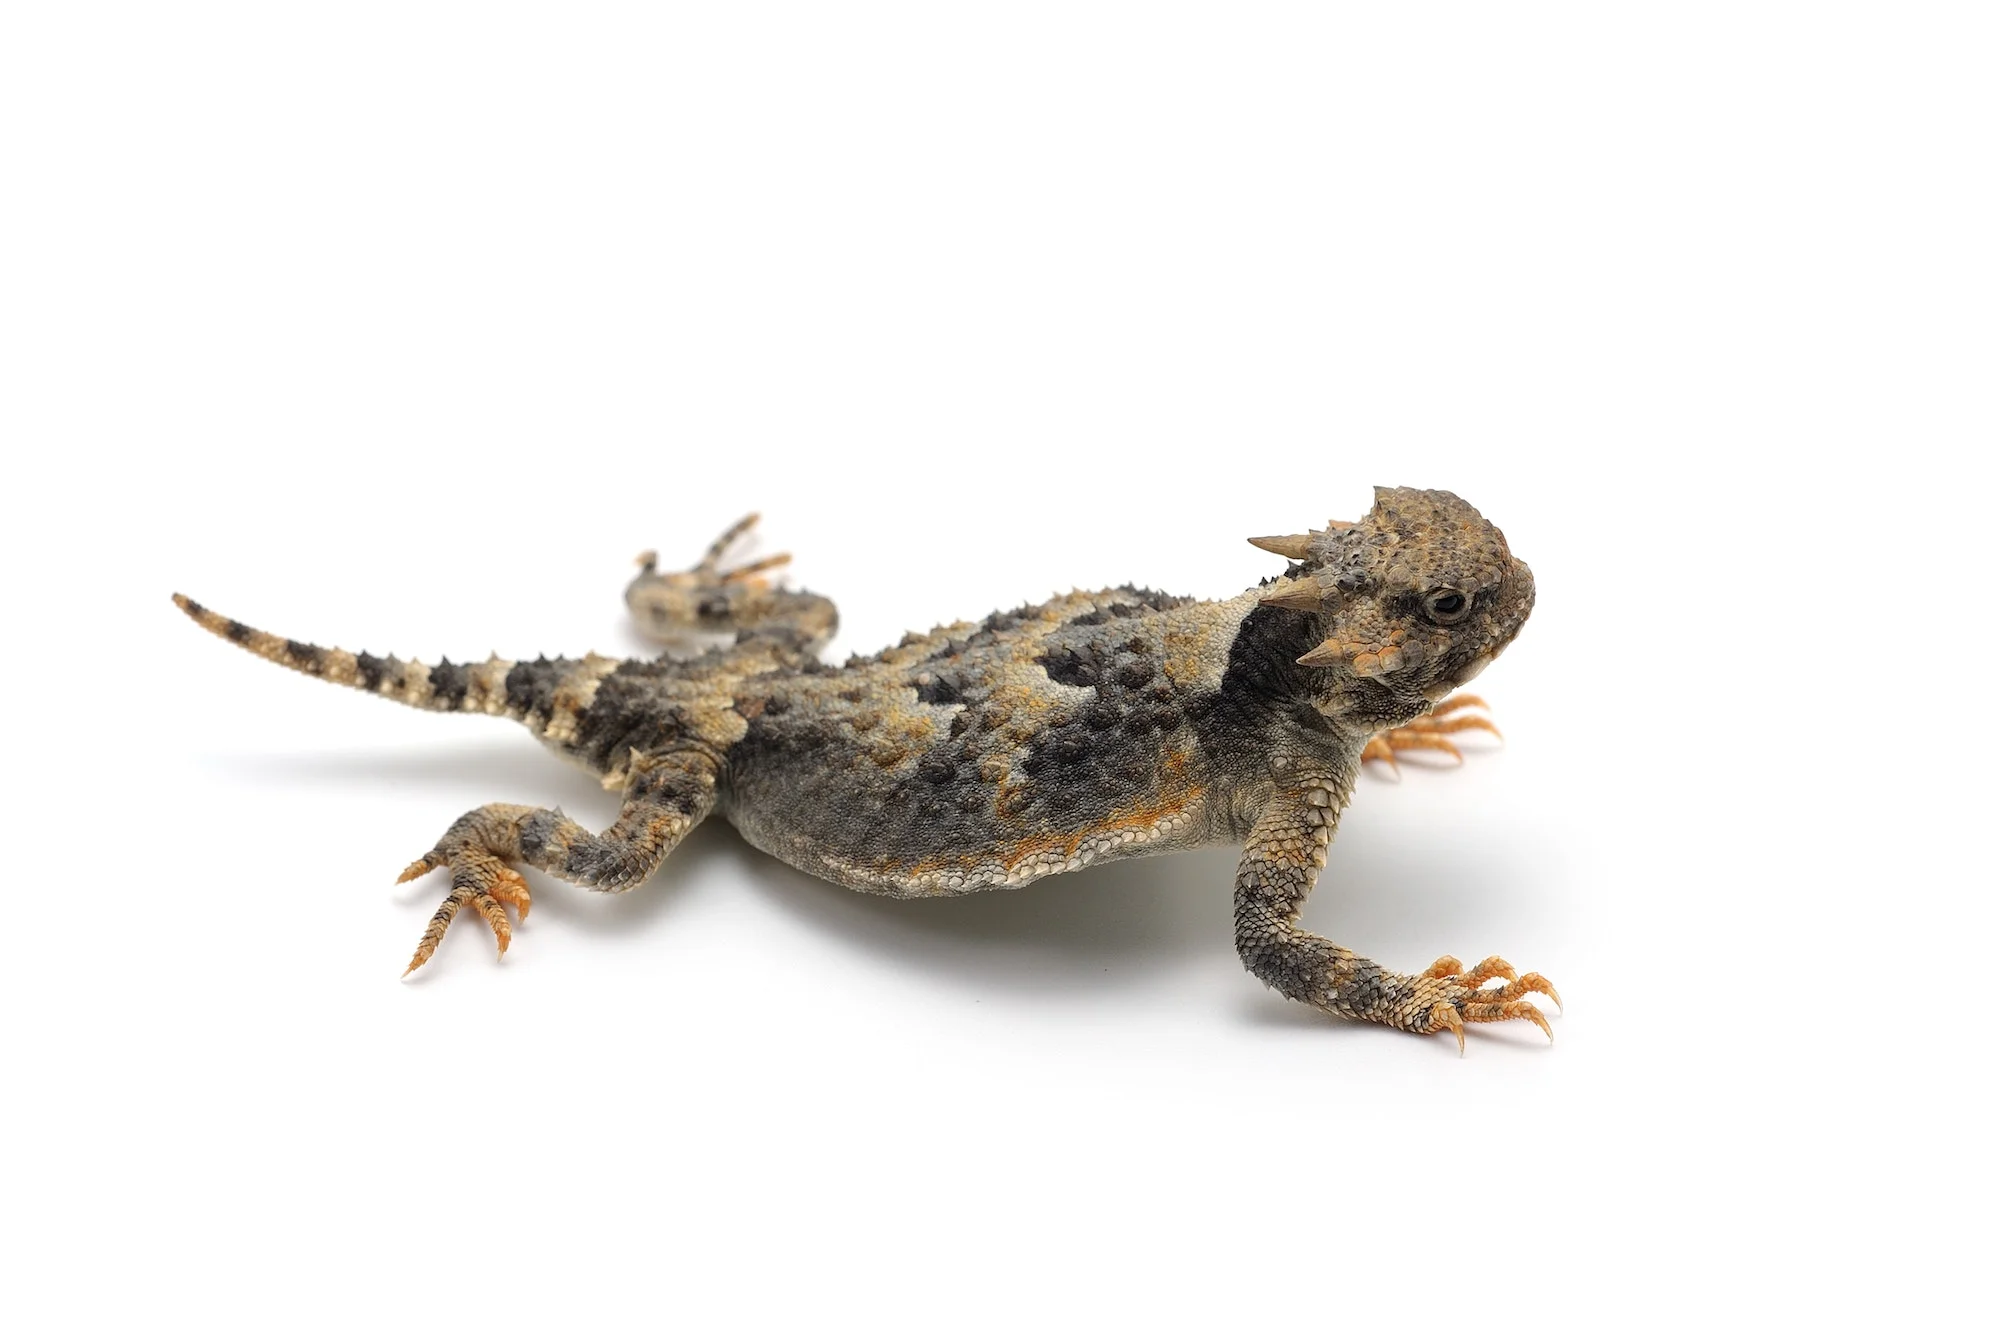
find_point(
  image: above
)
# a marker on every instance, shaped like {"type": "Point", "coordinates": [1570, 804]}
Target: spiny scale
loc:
{"type": "Point", "coordinates": [1296, 594]}
{"type": "Point", "coordinates": [1291, 547]}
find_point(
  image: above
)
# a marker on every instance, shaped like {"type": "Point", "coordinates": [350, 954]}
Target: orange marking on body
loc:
{"type": "Point", "coordinates": [1175, 797]}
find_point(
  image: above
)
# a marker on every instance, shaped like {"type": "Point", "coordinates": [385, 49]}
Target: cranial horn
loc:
{"type": "Point", "coordinates": [1295, 594]}
{"type": "Point", "coordinates": [1291, 547]}
{"type": "Point", "coordinates": [1330, 652]}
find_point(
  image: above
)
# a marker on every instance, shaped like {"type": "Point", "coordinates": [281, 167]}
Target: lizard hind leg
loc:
{"type": "Point", "coordinates": [665, 797]}
{"type": "Point", "coordinates": [709, 598]}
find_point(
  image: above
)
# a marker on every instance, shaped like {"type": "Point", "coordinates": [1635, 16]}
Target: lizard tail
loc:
{"type": "Point", "coordinates": [493, 687]}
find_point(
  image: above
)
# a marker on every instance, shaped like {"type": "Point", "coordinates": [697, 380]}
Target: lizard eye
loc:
{"type": "Point", "coordinates": [1446, 605]}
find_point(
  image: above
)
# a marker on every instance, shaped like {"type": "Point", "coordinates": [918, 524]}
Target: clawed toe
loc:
{"type": "Point", "coordinates": [1443, 968]}
{"type": "Point", "coordinates": [1429, 732]}
{"type": "Point", "coordinates": [511, 889]}
{"type": "Point", "coordinates": [1468, 1002]}
{"type": "Point", "coordinates": [710, 567]}
{"type": "Point", "coordinates": [1448, 968]}
{"type": "Point", "coordinates": [1527, 984]}
{"type": "Point", "coordinates": [1505, 1012]}
{"type": "Point", "coordinates": [418, 868]}
{"type": "Point", "coordinates": [479, 880]}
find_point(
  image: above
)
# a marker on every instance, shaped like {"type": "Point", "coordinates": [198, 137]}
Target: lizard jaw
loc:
{"type": "Point", "coordinates": [1460, 678]}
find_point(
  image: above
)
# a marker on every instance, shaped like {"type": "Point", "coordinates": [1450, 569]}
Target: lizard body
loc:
{"type": "Point", "coordinates": [1094, 726]}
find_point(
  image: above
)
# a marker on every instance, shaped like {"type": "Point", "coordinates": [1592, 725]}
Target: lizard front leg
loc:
{"type": "Point", "coordinates": [665, 798]}
{"type": "Point", "coordinates": [1430, 732]}
{"type": "Point", "coordinates": [1282, 857]}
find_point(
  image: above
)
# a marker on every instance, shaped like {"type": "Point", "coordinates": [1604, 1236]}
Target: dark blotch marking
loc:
{"type": "Point", "coordinates": [939, 689]}
{"type": "Point", "coordinates": [997, 628]}
{"type": "Point", "coordinates": [1002, 620]}
{"type": "Point", "coordinates": [672, 787]}
{"type": "Point", "coordinates": [531, 688]}
{"type": "Point", "coordinates": [448, 684]}
{"type": "Point", "coordinates": [1067, 665]}
{"type": "Point", "coordinates": [1134, 603]}
{"type": "Point", "coordinates": [372, 669]}
{"type": "Point", "coordinates": [538, 829]}
{"type": "Point", "coordinates": [236, 631]}
{"type": "Point", "coordinates": [1261, 692]}
{"type": "Point", "coordinates": [594, 859]}
{"type": "Point", "coordinates": [1135, 673]}
{"type": "Point", "coordinates": [1153, 600]}
{"type": "Point", "coordinates": [1068, 752]}
{"type": "Point", "coordinates": [305, 656]}
{"type": "Point", "coordinates": [628, 712]}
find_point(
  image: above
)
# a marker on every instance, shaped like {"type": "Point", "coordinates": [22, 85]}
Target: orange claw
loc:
{"type": "Point", "coordinates": [1501, 1002]}
{"type": "Point", "coordinates": [1527, 984]}
{"type": "Point", "coordinates": [512, 889]}
{"type": "Point", "coordinates": [1491, 968]}
{"type": "Point", "coordinates": [1445, 1018]}
{"type": "Point", "coordinates": [1508, 1012]}
{"type": "Point", "coordinates": [496, 920]}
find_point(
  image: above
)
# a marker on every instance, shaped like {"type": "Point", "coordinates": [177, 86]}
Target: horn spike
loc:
{"type": "Point", "coordinates": [1330, 652]}
{"type": "Point", "coordinates": [1291, 547]}
{"type": "Point", "coordinates": [1295, 594]}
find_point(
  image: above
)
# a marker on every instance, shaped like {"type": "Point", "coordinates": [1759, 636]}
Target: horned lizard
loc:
{"type": "Point", "coordinates": [1092, 727]}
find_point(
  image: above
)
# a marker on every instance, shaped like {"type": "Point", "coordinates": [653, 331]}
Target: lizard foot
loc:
{"type": "Point", "coordinates": [479, 879]}
{"type": "Point", "coordinates": [712, 599]}
{"type": "Point", "coordinates": [1456, 997]}
{"type": "Point", "coordinates": [1429, 732]}
{"type": "Point", "coordinates": [708, 574]}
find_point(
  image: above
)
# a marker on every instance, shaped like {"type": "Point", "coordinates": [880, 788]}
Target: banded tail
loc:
{"type": "Point", "coordinates": [493, 687]}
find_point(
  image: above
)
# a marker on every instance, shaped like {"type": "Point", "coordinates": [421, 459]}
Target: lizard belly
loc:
{"type": "Point", "coordinates": [935, 815]}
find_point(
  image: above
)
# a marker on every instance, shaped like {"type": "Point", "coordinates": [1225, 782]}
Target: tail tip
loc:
{"type": "Point", "coordinates": [189, 606]}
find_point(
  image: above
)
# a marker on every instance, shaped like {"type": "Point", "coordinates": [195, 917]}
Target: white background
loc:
{"type": "Point", "coordinates": [404, 327]}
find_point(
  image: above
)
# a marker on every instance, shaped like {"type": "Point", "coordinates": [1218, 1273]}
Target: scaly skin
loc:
{"type": "Point", "coordinates": [1092, 727]}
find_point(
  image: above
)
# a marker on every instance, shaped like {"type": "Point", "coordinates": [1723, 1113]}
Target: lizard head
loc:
{"type": "Point", "coordinates": [1408, 604]}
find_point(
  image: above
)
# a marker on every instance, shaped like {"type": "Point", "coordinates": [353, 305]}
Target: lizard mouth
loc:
{"type": "Point", "coordinates": [1459, 678]}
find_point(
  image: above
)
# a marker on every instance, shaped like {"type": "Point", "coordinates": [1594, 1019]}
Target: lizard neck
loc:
{"type": "Point", "coordinates": [1268, 713]}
